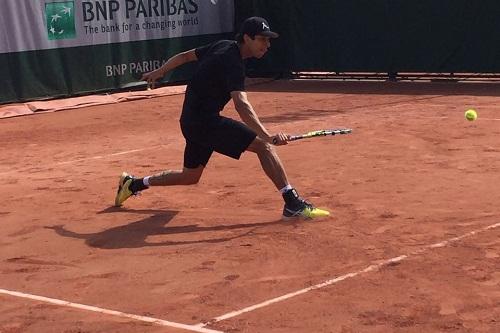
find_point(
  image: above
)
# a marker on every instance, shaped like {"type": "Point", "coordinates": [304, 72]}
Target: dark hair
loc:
{"type": "Point", "coordinates": [239, 38]}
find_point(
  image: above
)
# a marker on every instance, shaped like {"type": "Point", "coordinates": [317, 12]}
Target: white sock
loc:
{"type": "Point", "coordinates": [145, 181]}
{"type": "Point", "coordinates": [286, 188]}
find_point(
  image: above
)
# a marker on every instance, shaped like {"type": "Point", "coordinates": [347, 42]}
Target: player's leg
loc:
{"type": "Point", "coordinates": [270, 162]}
{"type": "Point", "coordinates": [232, 138]}
{"type": "Point", "coordinates": [195, 159]}
{"type": "Point", "coordinates": [186, 176]}
{"type": "Point", "coordinates": [295, 206]}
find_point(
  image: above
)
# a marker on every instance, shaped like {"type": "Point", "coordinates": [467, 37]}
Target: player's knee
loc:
{"type": "Point", "coordinates": [261, 147]}
{"type": "Point", "coordinates": [191, 179]}
{"type": "Point", "coordinates": [191, 176]}
{"type": "Point", "coordinates": [266, 148]}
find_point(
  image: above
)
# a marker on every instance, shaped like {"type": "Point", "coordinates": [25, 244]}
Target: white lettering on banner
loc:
{"type": "Point", "coordinates": [139, 67]}
{"type": "Point", "coordinates": [72, 23]}
{"type": "Point", "coordinates": [144, 66]}
{"type": "Point", "coordinates": [116, 70]}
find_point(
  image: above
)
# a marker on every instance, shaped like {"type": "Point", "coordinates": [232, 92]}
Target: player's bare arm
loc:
{"type": "Point", "coordinates": [174, 62]}
{"type": "Point", "coordinates": [249, 117]}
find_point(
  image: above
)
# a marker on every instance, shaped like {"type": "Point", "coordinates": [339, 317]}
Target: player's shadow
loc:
{"type": "Point", "coordinates": [135, 234]}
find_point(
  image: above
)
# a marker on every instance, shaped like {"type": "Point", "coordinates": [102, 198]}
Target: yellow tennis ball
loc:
{"type": "Point", "coordinates": [471, 115]}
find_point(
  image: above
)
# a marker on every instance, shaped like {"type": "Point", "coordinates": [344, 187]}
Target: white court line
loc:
{"type": "Point", "coordinates": [201, 327]}
{"type": "Point", "coordinates": [346, 276]}
{"type": "Point", "coordinates": [161, 322]}
{"type": "Point", "coordinates": [97, 157]}
{"type": "Point", "coordinates": [109, 155]}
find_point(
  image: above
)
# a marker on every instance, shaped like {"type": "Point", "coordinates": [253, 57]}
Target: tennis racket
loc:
{"type": "Point", "coordinates": [336, 131]}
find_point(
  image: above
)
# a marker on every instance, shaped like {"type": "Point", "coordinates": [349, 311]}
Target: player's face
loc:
{"type": "Point", "coordinates": [259, 45]}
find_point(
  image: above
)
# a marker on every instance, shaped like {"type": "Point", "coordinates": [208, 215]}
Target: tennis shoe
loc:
{"type": "Point", "coordinates": [303, 209]}
{"type": "Point", "coordinates": [124, 192]}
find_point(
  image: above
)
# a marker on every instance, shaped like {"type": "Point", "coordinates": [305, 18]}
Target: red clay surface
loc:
{"type": "Point", "coordinates": [413, 173]}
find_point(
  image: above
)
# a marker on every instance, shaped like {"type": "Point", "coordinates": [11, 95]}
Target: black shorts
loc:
{"type": "Point", "coordinates": [223, 135]}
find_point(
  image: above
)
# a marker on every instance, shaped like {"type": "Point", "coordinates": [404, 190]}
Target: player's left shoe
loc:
{"type": "Point", "coordinates": [124, 192]}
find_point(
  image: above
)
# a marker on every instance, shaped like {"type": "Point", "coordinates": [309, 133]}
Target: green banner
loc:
{"type": "Point", "coordinates": [56, 48]}
{"type": "Point", "coordinates": [88, 69]}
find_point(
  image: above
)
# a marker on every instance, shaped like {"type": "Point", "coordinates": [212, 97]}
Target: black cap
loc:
{"type": "Point", "coordinates": [256, 26]}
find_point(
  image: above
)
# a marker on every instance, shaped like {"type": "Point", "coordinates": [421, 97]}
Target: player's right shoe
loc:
{"type": "Point", "coordinates": [124, 192]}
{"type": "Point", "coordinates": [303, 210]}
{"type": "Point", "coordinates": [295, 206]}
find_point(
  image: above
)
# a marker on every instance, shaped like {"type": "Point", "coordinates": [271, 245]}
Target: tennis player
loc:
{"type": "Point", "coordinates": [220, 77]}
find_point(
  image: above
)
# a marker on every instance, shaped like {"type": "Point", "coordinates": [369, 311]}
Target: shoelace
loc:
{"type": "Point", "coordinates": [307, 204]}
{"type": "Point", "coordinates": [136, 193]}
{"type": "Point", "coordinates": [304, 204]}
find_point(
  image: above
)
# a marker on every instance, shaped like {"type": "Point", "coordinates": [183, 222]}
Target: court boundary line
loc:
{"type": "Point", "coordinates": [329, 282]}
{"type": "Point", "coordinates": [161, 322]}
{"type": "Point", "coordinates": [83, 159]}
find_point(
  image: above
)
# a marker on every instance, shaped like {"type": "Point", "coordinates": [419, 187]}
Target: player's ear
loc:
{"type": "Point", "coordinates": [246, 38]}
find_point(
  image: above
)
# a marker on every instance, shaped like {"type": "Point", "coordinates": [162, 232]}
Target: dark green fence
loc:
{"type": "Point", "coordinates": [421, 36]}
{"type": "Point", "coordinates": [437, 36]}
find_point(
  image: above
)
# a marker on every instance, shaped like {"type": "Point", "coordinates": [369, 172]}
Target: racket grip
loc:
{"type": "Point", "coordinates": [275, 141]}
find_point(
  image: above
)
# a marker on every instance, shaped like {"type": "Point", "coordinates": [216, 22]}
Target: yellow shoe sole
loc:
{"type": "Point", "coordinates": [309, 214]}
{"type": "Point", "coordinates": [123, 192]}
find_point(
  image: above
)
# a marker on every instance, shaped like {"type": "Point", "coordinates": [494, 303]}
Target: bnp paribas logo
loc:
{"type": "Point", "coordinates": [60, 18]}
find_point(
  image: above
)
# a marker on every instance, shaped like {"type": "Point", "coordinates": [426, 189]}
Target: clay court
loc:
{"type": "Point", "coordinates": [412, 245]}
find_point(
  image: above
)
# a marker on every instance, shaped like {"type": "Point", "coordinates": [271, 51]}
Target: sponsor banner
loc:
{"type": "Point", "coordinates": [81, 70]}
{"type": "Point", "coordinates": [49, 24]}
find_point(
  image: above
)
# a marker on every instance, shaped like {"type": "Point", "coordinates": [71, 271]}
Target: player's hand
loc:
{"type": "Point", "coordinates": [152, 77]}
{"type": "Point", "coordinates": [280, 139]}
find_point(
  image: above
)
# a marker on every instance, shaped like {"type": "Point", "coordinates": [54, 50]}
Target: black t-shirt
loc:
{"type": "Point", "coordinates": [220, 71]}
